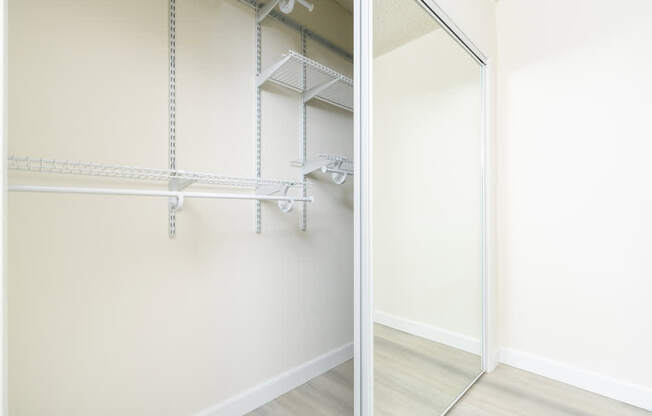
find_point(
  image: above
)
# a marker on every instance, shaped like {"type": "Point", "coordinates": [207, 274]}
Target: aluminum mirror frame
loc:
{"type": "Point", "coordinates": [363, 185]}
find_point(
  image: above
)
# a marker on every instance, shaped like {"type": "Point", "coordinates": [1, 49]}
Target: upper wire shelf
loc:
{"type": "Point", "coordinates": [322, 83]}
{"type": "Point", "coordinates": [132, 172]}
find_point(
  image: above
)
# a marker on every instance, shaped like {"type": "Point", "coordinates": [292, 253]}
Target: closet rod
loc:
{"type": "Point", "coordinates": [139, 192]}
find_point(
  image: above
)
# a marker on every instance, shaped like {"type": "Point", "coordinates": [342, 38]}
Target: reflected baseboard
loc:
{"type": "Point", "coordinates": [429, 332]}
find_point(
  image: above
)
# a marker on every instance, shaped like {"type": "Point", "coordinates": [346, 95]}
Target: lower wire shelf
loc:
{"type": "Point", "coordinates": [178, 181]}
{"type": "Point", "coordinates": [67, 167]}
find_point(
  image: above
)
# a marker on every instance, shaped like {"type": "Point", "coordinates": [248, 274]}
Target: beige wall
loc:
{"type": "Point", "coordinates": [428, 186]}
{"type": "Point", "coordinates": [106, 314]}
{"type": "Point", "coordinates": [575, 196]}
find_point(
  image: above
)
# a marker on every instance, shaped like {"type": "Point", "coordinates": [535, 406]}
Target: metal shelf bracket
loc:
{"type": "Point", "coordinates": [175, 203]}
{"type": "Point", "coordinates": [337, 166]}
{"type": "Point", "coordinates": [265, 10]}
{"type": "Point", "coordinates": [315, 91]}
{"type": "Point", "coordinates": [286, 7]}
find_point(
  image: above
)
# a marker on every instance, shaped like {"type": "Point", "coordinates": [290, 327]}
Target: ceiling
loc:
{"type": "Point", "coordinates": [397, 22]}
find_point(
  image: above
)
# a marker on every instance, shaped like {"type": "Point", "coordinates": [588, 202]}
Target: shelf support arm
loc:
{"type": "Point", "coordinates": [268, 72]}
{"type": "Point", "coordinates": [175, 203]}
{"type": "Point", "coordinates": [262, 13]}
{"type": "Point", "coordinates": [315, 91]}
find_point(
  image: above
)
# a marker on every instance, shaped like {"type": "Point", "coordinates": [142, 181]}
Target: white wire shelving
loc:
{"type": "Point", "coordinates": [138, 173]}
{"type": "Point", "coordinates": [285, 6]}
{"type": "Point", "coordinates": [321, 83]}
{"type": "Point", "coordinates": [339, 167]}
{"type": "Point", "coordinates": [177, 181]}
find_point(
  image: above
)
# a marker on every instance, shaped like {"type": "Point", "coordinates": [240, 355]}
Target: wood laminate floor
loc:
{"type": "Point", "coordinates": [507, 391]}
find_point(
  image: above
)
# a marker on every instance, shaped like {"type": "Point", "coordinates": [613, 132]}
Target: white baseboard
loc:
{"type": "Point", "coordinates": [271, 389]}
{"type": "Point", "coordinates": [429, 332]}
{"type": "Point", "coordinates": [633, 394]}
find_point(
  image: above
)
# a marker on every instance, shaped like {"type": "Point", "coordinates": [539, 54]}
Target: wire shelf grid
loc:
{"type": "Point", "coordinates": [138, 173]}
{"type": "Point", "coordinates": [333, 158]}
{"type": "Point", "coordinates": [322, 83]}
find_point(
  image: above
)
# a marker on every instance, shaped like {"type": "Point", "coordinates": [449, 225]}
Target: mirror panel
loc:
{"type": "Point", "coordinates": [428, 212]}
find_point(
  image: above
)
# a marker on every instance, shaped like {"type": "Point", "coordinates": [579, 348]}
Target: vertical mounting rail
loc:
{"type": "Point", "coordinates": [257, 161]}
{"type": "Point", "coordinates": [172, 96]}
{"type": "Point", "coordinates": [304, 152]}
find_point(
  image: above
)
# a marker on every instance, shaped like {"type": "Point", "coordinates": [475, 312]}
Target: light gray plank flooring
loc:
{"type": "Point", "coordinates": [417, 377]}
{"type": "Point", "coordinates": [510, 391]}
{"type": "Point", "coordinates": [330, 394]}
{"type": "Point", "coordinates": [505, 391]}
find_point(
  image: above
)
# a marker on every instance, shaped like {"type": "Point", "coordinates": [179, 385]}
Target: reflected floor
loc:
{"type": "Point", "coordinates": [415, 376]}
{"type": "Point", "coordinates": [506, 391]}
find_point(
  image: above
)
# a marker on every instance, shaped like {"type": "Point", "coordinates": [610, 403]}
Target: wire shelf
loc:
{"type": "Point", "coordinates": [137, 173]}
{"type": "Point", "coordinates": [322, 82]}
{"type": "Point", "coordinates": [333, 158]}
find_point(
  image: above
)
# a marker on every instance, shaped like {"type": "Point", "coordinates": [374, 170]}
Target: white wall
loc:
{"type": "Point", "coordinates": [575, 199]}
{"type": "Point", "coordinates": [106, 314]}
{"type": "Point", "coordinates": [428, 187]}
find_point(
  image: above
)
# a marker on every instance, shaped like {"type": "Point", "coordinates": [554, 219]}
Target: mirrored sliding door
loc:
{"type": "Point", "coordinates": [428, 211]}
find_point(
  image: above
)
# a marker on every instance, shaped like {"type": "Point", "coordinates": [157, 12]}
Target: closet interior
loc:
{"type": "Point", "coordinates": [232, 121]}
{"type": "Point", "coordinates": [326, 207]}
{"type": "Point", "coordinates": [181, 209]}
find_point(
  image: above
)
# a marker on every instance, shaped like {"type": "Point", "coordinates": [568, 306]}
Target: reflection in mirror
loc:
{"type": "Point", "coordinates": [428, 210]}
